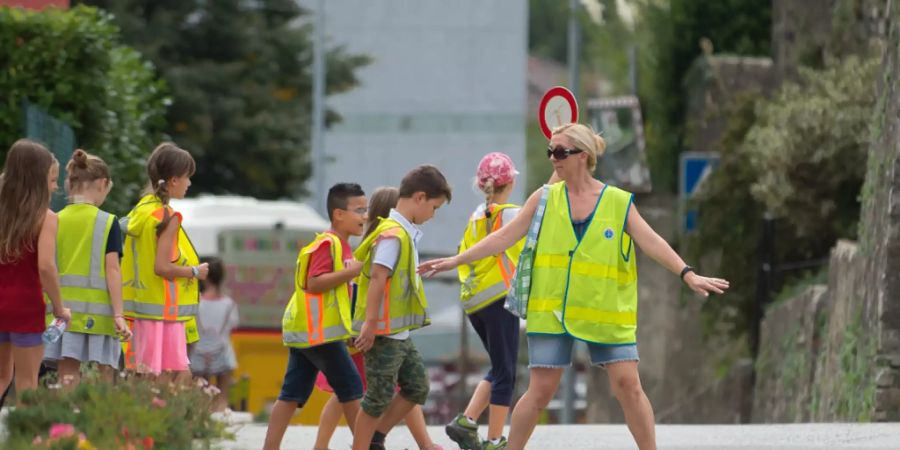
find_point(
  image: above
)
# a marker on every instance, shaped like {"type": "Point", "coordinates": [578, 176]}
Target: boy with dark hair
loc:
{"type": "Point", "coordinates": [390, 303]}
{"type": "Point", "coordinates": [317, 320]}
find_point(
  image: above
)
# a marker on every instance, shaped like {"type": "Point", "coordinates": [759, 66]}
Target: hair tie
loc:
{"type": "Point", "coordinates": [161, 183]}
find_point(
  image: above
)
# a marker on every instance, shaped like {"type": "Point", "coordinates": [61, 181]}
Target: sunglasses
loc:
{"type": "Point", "coordinates": [560, 153]}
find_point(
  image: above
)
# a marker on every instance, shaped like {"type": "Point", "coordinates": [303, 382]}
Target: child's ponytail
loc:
{"type": "Point", "coordinates": [488, 188]}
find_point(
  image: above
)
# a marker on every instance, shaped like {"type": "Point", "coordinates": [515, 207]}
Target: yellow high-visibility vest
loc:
{"type": "Point", "coordinates": [487, 280]}
{"type": "Point", "coordinates": [586, 288]}
{"type": "Point", "coordinates": [404, 306]}
{"type": "Point", "coordinates": [81, 260]}
{"type": "Point", "coordinates": [147, 295]}
{"type": "Point", "coordinates": [314, 319]}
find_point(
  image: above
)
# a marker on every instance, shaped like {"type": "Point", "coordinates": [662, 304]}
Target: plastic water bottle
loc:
{"type": "Point", "coordinates": [54, 331]}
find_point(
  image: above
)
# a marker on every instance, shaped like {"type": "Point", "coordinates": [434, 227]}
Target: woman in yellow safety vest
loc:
{"type": "Point", "coordinates": [583, 281]}
{"type": "Point", "coordinates": [484, 285]}
{"type": "Point", "coordinates": [160, 268]}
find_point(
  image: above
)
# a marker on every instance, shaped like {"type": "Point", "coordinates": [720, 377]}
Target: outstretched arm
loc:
{"type": "Point", "coordinates": [657, 248]}
{"type": "Point", "coordinates": [493, 244]}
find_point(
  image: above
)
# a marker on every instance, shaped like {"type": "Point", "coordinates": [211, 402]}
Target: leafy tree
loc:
{"type": "Point", "coordinates": [799, 156]}
{"type": "Point", "coordinates": [72, 65]}
{"type": "Point", "coordinates": [240, 76]}
{"type": "Point", "coordinates": [669, 42]}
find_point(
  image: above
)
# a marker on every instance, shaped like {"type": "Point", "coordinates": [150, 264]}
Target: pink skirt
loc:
{"type": "Point", "coordinates": [159, 346]}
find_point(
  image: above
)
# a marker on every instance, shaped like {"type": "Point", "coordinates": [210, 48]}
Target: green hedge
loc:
{"type": "Point", "coordinates": [71, 64]}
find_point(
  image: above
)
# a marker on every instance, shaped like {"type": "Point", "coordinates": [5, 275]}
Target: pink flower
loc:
{"type": "Point", "coordinates": [158, 402]}
{"type": "Point", "coordinates": [37, 440]}
{"type": "Point", "coordinates": [211, 390]}
{"type": "Point", "coordinates": [58, 430]}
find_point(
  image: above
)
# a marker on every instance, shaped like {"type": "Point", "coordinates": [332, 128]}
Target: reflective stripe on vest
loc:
{"type": "Point", "coordinates": [316, 333]}
{"type": "Point", "coordinates": [151, 309]}
{"type": "Point", "coordinates": [587, 288]}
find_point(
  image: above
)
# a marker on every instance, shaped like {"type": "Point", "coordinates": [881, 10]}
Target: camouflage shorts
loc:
{"type": "Point", "coordinates": [392, 362]}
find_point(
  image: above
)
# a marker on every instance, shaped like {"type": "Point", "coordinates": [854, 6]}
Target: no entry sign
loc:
{"type": "Point", "coordinates": [558, 107]}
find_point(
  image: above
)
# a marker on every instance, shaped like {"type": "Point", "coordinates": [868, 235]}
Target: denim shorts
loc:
{"type": "Point", "coordinates": [333, 360]}
{"type": "Point", "coordinates": [21, 339]}
{"type": "Point", "coordinates": [555, 351]}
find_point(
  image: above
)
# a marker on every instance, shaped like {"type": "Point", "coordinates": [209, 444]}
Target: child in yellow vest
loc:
{"type": "Point", "coordinates": [391, 302]}
{"type": "Point", "coordinates": [316, 321]}
{"type": "Point", "coordinates": [485, 284]}
{"type": "Point", "coordinates": [88, 248]}
{"type": "Point", "coordinates": [380, 205]}
{"type": "Point", "coordinates": [160, 268]}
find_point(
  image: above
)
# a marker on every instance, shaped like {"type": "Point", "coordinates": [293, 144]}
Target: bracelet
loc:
{"type": "Point", "coordinates": [118, 316]}
{"type": "Point", "coordinates": [196, 271]}
{"type": "Point", "coordinates": [685, 271]}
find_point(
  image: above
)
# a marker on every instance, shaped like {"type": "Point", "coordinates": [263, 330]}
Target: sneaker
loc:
{"type": "Point", "coordinates": [463, 433]}
{"type": "Point", "coordinates": [487, 445]}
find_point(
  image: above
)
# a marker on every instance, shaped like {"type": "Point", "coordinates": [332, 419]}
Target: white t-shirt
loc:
{"type": "Point", "coordinates": [387, 252]}
{"type": "Point", "coordinates": [215, 320]}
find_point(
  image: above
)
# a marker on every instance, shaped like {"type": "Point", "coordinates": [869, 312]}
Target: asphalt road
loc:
{"type": "Point", "coordinates": [578, 437]}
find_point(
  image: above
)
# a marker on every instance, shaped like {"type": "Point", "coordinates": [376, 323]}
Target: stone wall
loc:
{"type": "Point", "coordinates": [856, 374]}
{"type": "Point", "coordinates": [712, 83]}
{"type": "Point", "coordinates": [800, 34]}
{"type": "Point", "coordinates": [785, 367]}
{"type": "Point", "coordinates": [880, 228]}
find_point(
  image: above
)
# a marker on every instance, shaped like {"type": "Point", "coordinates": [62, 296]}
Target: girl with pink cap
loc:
{"type": "Point", "coordinates": [484, 285]}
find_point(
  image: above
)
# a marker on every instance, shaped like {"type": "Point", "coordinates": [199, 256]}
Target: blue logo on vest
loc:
{"type": "Point", "coordinates": [89, 323]}
{"type": "Point", "coordinates": [608, 234]}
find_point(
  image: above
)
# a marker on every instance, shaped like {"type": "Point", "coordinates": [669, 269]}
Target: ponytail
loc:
{"type": "Point", "coordinates": [488, 188]}
{"type": "Point", "coordinates": [162, 192]}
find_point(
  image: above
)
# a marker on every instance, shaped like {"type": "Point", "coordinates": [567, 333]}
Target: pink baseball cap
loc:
{"type": "Point", "coordinates": [497, 166]}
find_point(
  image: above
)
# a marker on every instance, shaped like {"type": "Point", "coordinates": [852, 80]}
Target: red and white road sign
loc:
{"type": "Point", "coordinates": [558, 107]}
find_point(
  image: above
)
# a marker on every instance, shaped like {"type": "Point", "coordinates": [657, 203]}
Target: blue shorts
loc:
{"type": "Point", "coordinates": [21, 339]}
{"type": "Point", "coordinates": [555, 351]}
{"type": "Point", "coordinates": [333, 360]}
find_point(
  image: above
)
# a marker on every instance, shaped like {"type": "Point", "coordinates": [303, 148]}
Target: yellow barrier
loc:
{"type": "Point", "coordinates": [262, 358]}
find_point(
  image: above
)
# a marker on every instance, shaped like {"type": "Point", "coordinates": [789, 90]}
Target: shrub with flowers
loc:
{"type": "Point", "coordinates": [131, 414]}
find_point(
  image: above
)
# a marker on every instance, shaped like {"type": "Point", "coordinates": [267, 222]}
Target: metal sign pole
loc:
{"type": "Point", "coordinates": [568, 412]}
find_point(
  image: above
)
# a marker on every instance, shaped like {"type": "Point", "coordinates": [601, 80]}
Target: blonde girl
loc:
{"type": "Point", "coordinates": [485, 283]}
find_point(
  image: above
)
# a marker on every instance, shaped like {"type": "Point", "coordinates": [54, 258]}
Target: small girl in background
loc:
{"type": "Point", "coordinates": [161, 268]}
{"type": "Point", "coordinates": [380, 204]}
{"type": "Point", "coordinates": [89, 245]}
{"type": "Point", "coordinates": [213, 355]}
{"type": "Point", "coordinates": [27, 261]}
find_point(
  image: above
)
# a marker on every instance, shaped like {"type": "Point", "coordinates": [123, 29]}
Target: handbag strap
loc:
{"type": "Point", "coordinates": [534, 229]}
